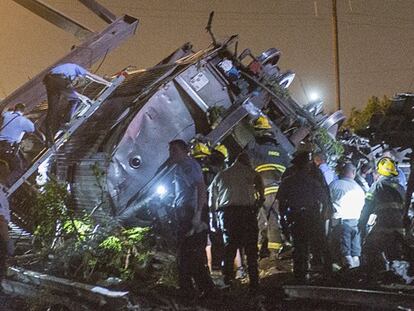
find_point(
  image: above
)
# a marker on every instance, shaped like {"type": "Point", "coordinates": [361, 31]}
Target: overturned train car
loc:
{"type": "Point", "coordinates": [111, 161]}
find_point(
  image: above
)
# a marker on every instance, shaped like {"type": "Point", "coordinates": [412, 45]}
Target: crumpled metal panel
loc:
{"type": "Point", "coordinates": [144, 145]}
{"type": "Point", "coordinates": [204, 86]}
{"type": "Point", "coordinates": [75, 159]}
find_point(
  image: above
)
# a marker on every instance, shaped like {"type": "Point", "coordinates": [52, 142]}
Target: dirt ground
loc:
{"type": "Point", "coordinates": [270, 296]}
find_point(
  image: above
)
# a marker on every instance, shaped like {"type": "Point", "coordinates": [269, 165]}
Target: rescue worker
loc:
{"type": "Point", "coordinates": [4, 231]}
{"type": "Point", "coordinates": [201, 151]}
{"type": "Point", "coordinates": [211, 161]}
{"type": "Point", "coordinates": [348, 199]}
{"type": "Point", "coordinates": [61, 81]}
{"type": "Point", "coordinates": [190, 202]}
{"type": "Point", "coordinates": [383, 212]}
{"type": "Point", "coordinates": [14, 126]}
{"type": "Point", "coordinates": [233, 197]}
{"type": "Point", "coordinates": [216, 163]}
{"type": "Point", "coordinates": [402, 179]}
{"type": "Point", "coordinates": [302, 202]}
{"type": "Point", "coordinates": [270, 161]}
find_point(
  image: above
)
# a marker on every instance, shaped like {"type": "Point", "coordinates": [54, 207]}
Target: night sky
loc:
{"type": "Point", "coordinates": [376, 40]}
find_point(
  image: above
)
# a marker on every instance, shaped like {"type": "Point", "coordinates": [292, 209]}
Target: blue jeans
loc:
{"type": "Point", "coordinates": [348, 237]}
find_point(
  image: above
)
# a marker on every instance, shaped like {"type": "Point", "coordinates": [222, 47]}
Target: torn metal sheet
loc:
{"type": "Point", "coordinates": [144, 144]}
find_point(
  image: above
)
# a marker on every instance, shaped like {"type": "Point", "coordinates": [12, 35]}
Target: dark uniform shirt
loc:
{"type": "Point", "coordinates": [270, 160]}
{"type": "Point", "coordinates": [300, 192]}
{"type": "Point", "coordinates": [384, 193]}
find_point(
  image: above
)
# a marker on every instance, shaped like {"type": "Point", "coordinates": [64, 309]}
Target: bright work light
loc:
{"type": "Point", "coordinates": [161, 190]}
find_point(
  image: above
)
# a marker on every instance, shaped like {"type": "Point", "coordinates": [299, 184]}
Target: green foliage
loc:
{"type": "Point", "coordinates": [80, 249]}
{"type": "Point", "coordinates": [324, 142]}
{"type": "Point", "coordinates": [359, 119]}
{"type": "Point", "coordinates": [49, 212]}
{"type": "Point", "coordinates": [124, 253]}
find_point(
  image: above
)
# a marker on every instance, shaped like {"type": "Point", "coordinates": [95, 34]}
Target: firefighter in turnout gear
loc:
{"type": "Point", "coordinates": [383, 212]}
{"type": "Point", "coordinates": [270, 160]}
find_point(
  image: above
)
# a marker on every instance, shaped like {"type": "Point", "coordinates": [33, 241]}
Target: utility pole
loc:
{"type": "Point", "coordinates": [336, 54]}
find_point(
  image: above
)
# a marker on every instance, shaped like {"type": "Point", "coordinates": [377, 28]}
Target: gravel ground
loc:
{"type": "Point", "coordinates": [8, 303]}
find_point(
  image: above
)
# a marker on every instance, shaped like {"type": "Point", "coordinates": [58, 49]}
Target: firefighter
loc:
{"type": "Point", "coordinates": [270, 161]}
{"type": "Point", "coordinates": [302, 200]}
{"type": "Point", "coordinates": [233, 196]}
{"type": "Point", "coordinates": [201, 152]}
{"type": "Point", "coordinates": [217, 162]}
{"type": "Point", "coordinates": [382, 217]}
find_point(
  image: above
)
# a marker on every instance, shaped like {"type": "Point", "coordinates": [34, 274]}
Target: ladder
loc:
{"type": "Point", "coordinates": [73, 126]}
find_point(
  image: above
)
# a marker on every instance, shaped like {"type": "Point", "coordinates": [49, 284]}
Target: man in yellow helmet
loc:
{"type": "Point", "coordinates": [383, 212]}
{"type": "Point", "coordinates": [270, 161]}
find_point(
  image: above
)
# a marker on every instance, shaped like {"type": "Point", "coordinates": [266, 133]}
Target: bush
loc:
{"type": "Point", "coordinates": [78, 248]}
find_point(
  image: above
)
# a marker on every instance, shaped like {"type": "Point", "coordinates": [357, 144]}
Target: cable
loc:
{"type": "Point", "coordinates": [103, 59]}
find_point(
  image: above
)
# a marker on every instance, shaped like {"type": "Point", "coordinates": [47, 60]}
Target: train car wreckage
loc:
{"type": "Point", "coordinates": [127, 136]}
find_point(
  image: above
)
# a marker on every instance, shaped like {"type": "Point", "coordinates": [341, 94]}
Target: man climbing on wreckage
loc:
{"type": "Point", "coordinates": [382, 219]}
{"type": "Point", "coordinates": [61, 82]}
{"type": "Point", "coordinates": [15, 125]}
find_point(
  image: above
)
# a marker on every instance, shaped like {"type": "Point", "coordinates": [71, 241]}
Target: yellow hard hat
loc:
{"type": "Point", "coordinates": [200, 150]}
{"type": "Point", "coordinates": [262, 123]}
{"type": "Point", "coordinates": [386, 167]}
{"type": "Point", "coordinates": [223, 150]}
